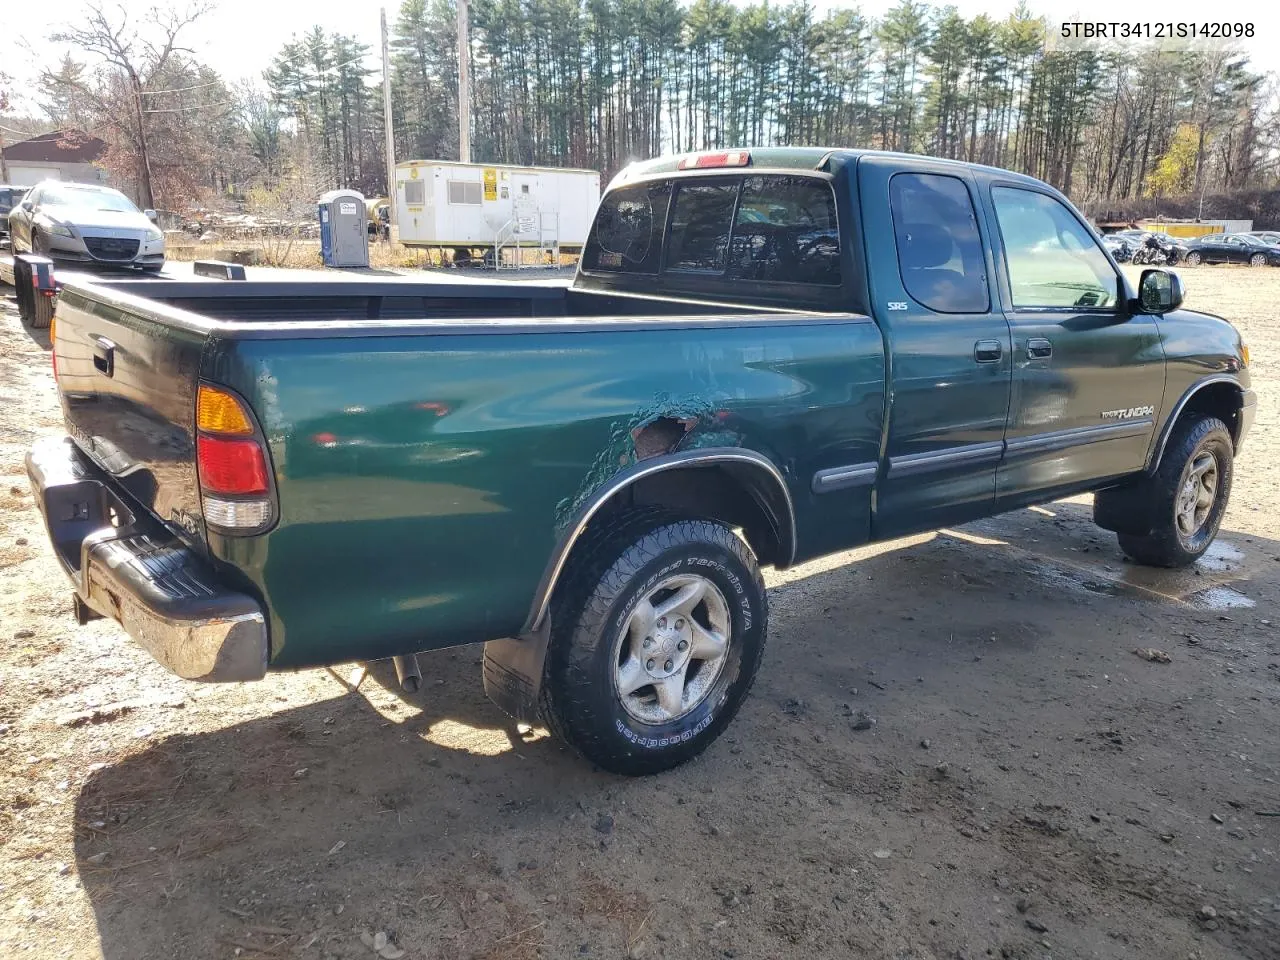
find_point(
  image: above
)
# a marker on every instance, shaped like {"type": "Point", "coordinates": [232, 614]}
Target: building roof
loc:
{"type": "Point", "coordinates": [60, 146]}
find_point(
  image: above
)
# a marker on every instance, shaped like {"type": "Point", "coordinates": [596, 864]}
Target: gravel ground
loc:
{"type": "Point", "coordinates": [953, 751]}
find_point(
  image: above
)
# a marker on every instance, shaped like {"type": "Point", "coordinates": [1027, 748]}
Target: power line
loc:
{"type": "Point", "coordinates": [194, 106]}
{"type": "Point", "coordinates": [198, 86]}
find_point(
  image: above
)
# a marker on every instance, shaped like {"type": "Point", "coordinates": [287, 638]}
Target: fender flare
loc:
{"type": "Point", "coordinates": [774, 497]}
{"type": "Point", "coordinates": [513, 667]}
{"type": "Point", "coordinates": [1157, 450]}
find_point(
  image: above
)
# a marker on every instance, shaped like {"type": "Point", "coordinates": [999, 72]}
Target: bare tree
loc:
{"type": "Point", "coordinates": [140, 56]}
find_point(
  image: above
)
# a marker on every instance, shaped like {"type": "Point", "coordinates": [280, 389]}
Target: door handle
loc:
{"type": "Point", "coordinates": [1039, 349]}
{"type": "Point", "coordinates": [104, 355]}
{"type": "Point", "coordinates": [987, 351]}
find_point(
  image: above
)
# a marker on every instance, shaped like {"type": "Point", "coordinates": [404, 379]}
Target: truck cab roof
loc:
{"type": "Point", "coordinates": [825, 159]}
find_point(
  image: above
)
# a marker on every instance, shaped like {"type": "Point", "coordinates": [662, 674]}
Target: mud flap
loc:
{"type": "Point", "coordinates": [1125, 509]}
{"type": "Point", "coordinates": [512, 672]}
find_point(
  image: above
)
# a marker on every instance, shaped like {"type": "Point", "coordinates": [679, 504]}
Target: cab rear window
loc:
{"type": "Point", "coordinates": [771, 229]}
{"type": "Point", "coordinates": [626, 236]}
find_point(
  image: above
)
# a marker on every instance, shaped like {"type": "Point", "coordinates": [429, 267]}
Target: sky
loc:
{"type": "Point", "coordinates": [240, 37]}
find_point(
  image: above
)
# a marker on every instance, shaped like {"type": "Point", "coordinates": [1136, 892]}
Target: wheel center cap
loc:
{"type": "Point", "coordinates": [669, 652]}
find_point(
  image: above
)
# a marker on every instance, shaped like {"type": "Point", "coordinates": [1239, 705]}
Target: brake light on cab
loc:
{"type": "Point", "coordinates": [708, 161]}
{"type": "Point", "coordinates": [231, 461]}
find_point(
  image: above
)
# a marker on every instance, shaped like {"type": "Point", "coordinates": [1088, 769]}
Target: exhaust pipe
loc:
{"type": "Point", "coordinates": [408, 672]}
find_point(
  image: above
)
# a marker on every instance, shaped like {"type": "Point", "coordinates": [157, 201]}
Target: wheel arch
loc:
{"type": "Point", "coordinates": [1221, 397]}
{"type": "Point", "coordinates": [734, 485]}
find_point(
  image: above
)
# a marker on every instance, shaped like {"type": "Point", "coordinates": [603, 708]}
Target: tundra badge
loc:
{"type": "Point", "coordinates": [1128, 413]}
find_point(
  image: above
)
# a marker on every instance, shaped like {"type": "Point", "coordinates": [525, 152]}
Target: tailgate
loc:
{"type": "Point", "coordinates": [127, 378]}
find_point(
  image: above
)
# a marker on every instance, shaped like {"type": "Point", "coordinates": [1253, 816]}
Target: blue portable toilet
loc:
{"type": "Point", "coordinates": [344, 238]}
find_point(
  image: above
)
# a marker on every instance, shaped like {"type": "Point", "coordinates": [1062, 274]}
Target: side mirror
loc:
{"type": "Point", "coordinates": [1159, 291]}
{"type": "Point", "coordinates": [149, 214]}
{"type": "Point", "coordinates": [27, 205]}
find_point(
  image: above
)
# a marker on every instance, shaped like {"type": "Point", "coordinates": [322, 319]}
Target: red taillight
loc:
{"type": "Point", "coordinates": [231, 466]}
{"type": "Point", "coordinates": [727, 158]}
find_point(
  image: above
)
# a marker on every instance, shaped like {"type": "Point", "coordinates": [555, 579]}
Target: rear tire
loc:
{"type": "Point", "coordinates": [1188, 495]}
{"type": "Point", "coordinates": [1193, 259]}
{"type": "Point", "coordinates": [633, 687]}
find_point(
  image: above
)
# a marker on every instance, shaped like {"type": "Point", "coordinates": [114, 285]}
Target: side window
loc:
{"type": "Point", "coordinates": [464, 192]}
{"type": "Point", "coordinates": [700, 226]}
{"type": "Point", "coordinates": [626, 236]}
{"type": "Point", "coordinates": [1053, 261]}
{"type": "Point", "coordinates": [785, 231]}
{"type": "Point", "coordinates": [939, 247]}
{"type": "Point", "coordinates": [415, 192]}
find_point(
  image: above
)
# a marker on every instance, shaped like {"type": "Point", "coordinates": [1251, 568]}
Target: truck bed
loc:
{"type": "Point", "coordinates": [431, 442]}
{"type": "Point", "coordinates": [301, 297]}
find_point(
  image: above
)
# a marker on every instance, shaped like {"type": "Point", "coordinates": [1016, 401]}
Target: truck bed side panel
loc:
{"type": "Point", "coordinates": [424, 480]}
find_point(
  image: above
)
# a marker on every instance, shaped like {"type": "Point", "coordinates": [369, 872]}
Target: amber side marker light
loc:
{"type": "Point", "coordinates": [219, 412]}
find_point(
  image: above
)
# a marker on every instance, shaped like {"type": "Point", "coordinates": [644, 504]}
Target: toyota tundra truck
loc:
{"type": "Point", "coordinates": [766, 356]}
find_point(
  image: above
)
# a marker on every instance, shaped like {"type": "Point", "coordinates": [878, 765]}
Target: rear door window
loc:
{"type": "Point", "coordinates": [940, 254]}
{"type": "Point", "coordinates": [785, 231]}
{"type": "Point", "coordinates": [700, 226]}
{"type": "Point", "coordinates": [626, 236]}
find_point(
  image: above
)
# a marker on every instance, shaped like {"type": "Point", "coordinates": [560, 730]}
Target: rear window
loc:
{"type": "Point", "coordinates": [772, 229]}
{"type": "Point", "coordinates": [785, 231]}
{"type": "Point", "coordinates": [700, 226]}
{"type": "Point", "coordinates": [626, 236]}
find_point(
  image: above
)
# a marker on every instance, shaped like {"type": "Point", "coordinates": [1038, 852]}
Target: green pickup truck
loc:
{"type": "Point", "coordinates": [765, 356]}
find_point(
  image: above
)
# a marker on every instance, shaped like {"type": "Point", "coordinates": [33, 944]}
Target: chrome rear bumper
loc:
{"type": "Point", "coordinates": [136, 572]}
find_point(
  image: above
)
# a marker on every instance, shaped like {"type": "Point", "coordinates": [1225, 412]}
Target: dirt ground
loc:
{"type": "Point", "coordinates": [1030, 788]}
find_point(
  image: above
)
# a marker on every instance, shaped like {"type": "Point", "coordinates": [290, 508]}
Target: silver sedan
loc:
{"type": "Point", "coordinates": [86, 223]}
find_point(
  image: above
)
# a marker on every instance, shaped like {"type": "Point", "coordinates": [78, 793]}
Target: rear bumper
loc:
{"type": "Point", "coordinates": [138, 574]}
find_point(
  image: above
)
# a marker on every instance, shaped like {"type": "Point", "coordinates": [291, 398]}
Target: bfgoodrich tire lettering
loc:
{"type": "Point", "coordinates": [1186, 509]}
{"type": "Point", "coordinates": [649, 558]}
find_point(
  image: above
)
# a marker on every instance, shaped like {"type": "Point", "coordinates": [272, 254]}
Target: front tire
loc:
{"type": "Point", "coordinates": [39, 244]}
{"type": "Point", "coordinates": [1258, 260]}
{"type": "Point", "coordinates": [1188, 495]}
{"type": "Point", "coordinates": [657, 634]}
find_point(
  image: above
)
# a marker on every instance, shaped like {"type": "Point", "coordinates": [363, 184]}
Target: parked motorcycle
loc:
{"type": "Point", "coordinates": [1158, 251]}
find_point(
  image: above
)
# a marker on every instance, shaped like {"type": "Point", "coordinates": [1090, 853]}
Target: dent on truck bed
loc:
{"type": "Point", "coordinates": [664, 426]}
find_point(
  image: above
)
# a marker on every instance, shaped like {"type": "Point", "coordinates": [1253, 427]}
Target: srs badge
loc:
{"type": "Point", "coordinates": [1128, 413]}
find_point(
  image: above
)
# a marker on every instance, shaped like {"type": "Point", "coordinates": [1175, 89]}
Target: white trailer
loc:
{"type": "Point", "coordinates": [493, 208]}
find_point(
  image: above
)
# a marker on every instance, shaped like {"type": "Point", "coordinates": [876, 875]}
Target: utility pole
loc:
{"type": "Point", "coordinates": [386, 122]}
{"type": "Point", "coordinates": [464, 84]}
{"type": "Point", "coordinates": [4, 167]}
